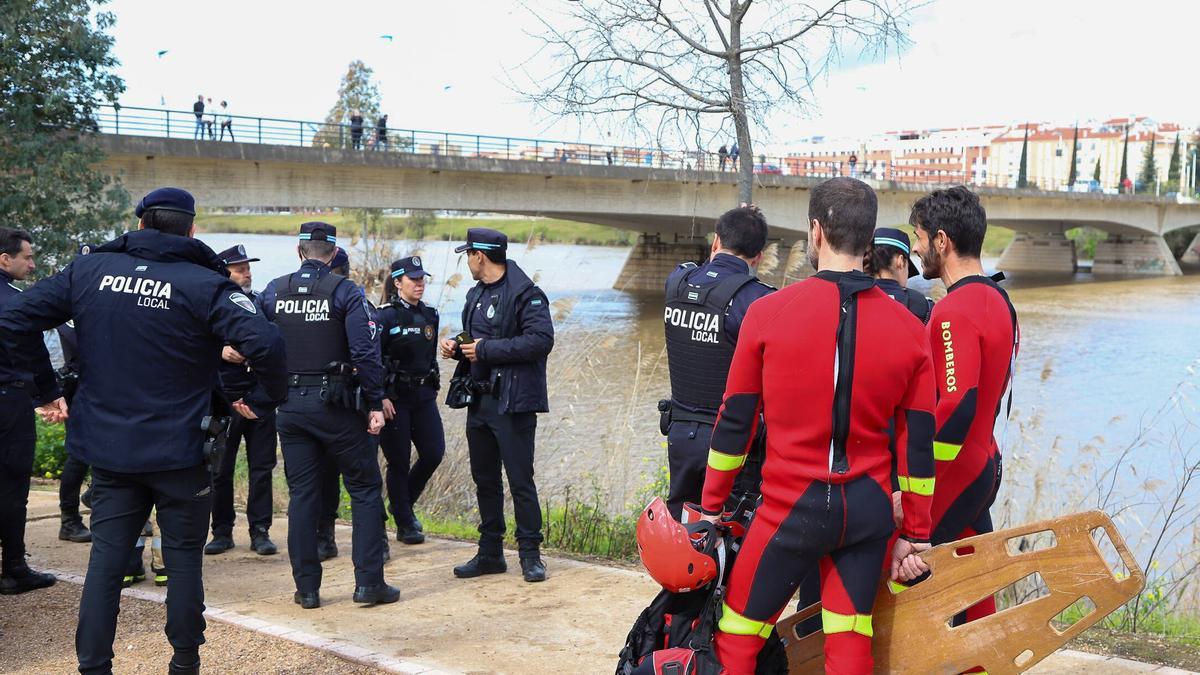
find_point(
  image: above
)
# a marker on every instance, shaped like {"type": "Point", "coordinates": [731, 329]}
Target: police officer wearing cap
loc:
{"type": "Point", "coordinates": [152, 311]}
{"type": "Point", "coordinates": [236, 379]}
{"type": "Point", "coordinates": [331, 477]}
{"type": "Point", "coordinates": [501, 380]}
{"type": "Point", "coordinates": [409, 344]}
{"type": "Point", "coordinates": [26, 379]}
{"type": "Point", "coordinates": [889, 260]}
{"type": "Point", "coordinates": [705, 305]}
{"type": "Point", "coordinates": [332, 346]}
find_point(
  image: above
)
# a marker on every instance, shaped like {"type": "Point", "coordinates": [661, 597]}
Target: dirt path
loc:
{"type": "Point", "coordinates": [574, 622]}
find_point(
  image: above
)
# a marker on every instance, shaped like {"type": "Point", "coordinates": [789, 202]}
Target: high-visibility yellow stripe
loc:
{"type": "Point", "coordinates": [735, 624]}
{"type": "Point", "coordinates": [832, 622]}
{"type": "Point", "coordinates": [919, 486]}
{"type": "Point", "coordinates": [897, 588]}
{"type": "Point", "coordinates": [723, 462]}
{"type": "Point", "coordinates": [945, 451]}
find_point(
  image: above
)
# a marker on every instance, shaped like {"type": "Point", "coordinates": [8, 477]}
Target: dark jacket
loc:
{"type": "Point", "coordinates": [518, 352]}
{"type": "Point", "coordinates": [151, 311]}
{"type": "Point", "coordinates": [29, 363]}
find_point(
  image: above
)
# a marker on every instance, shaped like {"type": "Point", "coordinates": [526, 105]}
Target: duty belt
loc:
{"type": "Point", "coordinates": [307, 380]}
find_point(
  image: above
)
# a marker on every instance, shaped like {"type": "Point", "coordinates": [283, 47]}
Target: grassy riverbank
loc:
{"type": "Point", "coordinates": [547, 230]}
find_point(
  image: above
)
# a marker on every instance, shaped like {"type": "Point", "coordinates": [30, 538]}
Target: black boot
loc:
{"type": "Point", "coordinates": [307, 600]}
{"type": "Point", "coordinates": [73, 529]}
{"type": "Point", "coordinates": [410, 533]}
{"type": "Point", "coordinates": [532, 568]}
{"type": "Point", "coordinates": [481, 564]}
{"type": "Point", "coordinates": [261, 543]}
{"type": "Point", "coordinates": [185, 662]}
{"type": "Point", "coordinates": [22, 579]}
{"type": "Point", "coordinates": [326, 545]}
{"type": "Point", "coordinates": [376, 595]}
{"type": "Point", "coordinates": [219, 544]}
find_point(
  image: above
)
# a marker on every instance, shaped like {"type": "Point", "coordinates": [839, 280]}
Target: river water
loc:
{"type": "Point", "coordinates": [1098, 359]}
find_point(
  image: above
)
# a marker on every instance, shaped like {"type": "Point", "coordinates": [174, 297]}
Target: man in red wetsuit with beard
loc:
{"type": "Point", "coordinates": [974, 336]}
{"type": "Point", "coordinates": [821, 362]}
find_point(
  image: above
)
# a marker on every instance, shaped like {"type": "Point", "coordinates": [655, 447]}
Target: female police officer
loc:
{"type": "Point", "coordinates": [409, 343]}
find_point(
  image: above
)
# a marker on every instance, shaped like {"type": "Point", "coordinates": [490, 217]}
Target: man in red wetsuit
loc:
{"type": "Point", "coordinates": [974, 336]}
{"type": "Point", "coordinates": [820, 360]}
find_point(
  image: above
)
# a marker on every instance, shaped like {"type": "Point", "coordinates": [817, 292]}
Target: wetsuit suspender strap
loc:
{"type": "Point", "coordinates": [1012, 312]}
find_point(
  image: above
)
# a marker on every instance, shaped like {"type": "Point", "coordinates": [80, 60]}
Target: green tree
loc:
{"type": "Point", "coordinates": [1148, 175]}
{"type": "Point", "coordinates": [1124, 161]}
{"type": "Point", "coordinates": [1096, 173]}
{"type": "Point", "coordinates": [357, 91]}
{"type": "Point", "coordinates": [1074, 157]}
{"type": "Point", "coordinates": [1173, 167]}
{"type": "Point", "coordinates": [1023, 171]}
{"type": "Point", "coordinates": [55, 70]}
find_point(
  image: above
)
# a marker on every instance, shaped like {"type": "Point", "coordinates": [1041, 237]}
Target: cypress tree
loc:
{"type": "Point", "coordinates": [1023, 172]}
{"type": "Point", "coordinates": [1074, 156]}
{"type": "Point", "coordinates": [1096, 173]}
{"type": "Point", "coordinates": [1124, 161]}
{"type": "Point", "coordinates": [1149, 173]}
{"type": "Point", "coordinates": [1173, 167]}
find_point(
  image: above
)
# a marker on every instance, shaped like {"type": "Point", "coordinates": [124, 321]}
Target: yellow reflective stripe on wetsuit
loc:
{"type": "Point", "coordinates": [735, 624]}
{"type": "Point", "coordinates": [946, 452]}
{"type": "Point", "coordinates": [723, 462]}
{"type": "Point", "coordinates": [917, 486]}
{"type": "Point", "coordinates": [832, 622]}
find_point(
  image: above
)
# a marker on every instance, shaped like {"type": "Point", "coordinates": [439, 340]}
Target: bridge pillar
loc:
{"type": "Point", "coordinates": [651, 261]}
{"type": "Point", "coordinates": [1039, 252]}
{"type": "Point", "coordinates": [1191, 256]}
{"type": "Point", "coordinates": [1146, 254]}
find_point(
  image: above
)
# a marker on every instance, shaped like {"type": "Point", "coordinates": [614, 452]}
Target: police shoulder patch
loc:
{"type": "Point", "coordinates": [242, 301]}
{"type": "Point", "coordinates": [535, 301]}
{"type": "Point", "coordinates": [687, 265]}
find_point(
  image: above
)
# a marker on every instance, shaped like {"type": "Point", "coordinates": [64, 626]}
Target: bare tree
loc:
{"type": "Point", "coordinates": [680, 63]}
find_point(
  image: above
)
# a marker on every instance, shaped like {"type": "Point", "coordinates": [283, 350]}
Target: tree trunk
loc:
{"type": "Point", "coordinates": [737, 95]}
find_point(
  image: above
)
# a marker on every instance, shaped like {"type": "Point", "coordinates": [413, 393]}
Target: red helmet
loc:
{"type": "Point", "coordinates": [669, 549]}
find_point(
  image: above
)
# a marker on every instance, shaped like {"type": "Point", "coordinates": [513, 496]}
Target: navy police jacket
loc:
{"type": "Point", "coordinates": [29, 363]}
{"type": "Point", "coordinates": [522, 339]}
{"type": "Point", "coordinates": [151, 312]}
{"type": "Point", "coordinates": [348, 305]}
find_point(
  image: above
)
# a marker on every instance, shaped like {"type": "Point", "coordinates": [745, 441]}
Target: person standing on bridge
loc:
{"type": "Point", "coordinates": [356, 130]}
{"type": "Point", "coordinates": [381, 139]}
{"type": "Point", "coordinates": [140, 416]}
{"type": "Point", "coordinates": [198, 109]}
{"type": "Point", "coordinates": [501, 380]}
{"type": "Point", "coordinates": [723, 156]}
{"type": "Point", "coordinates": [705, 305]}
{"type": "Point", "coordinates": [226, 121]}
{"type": "Point", "coordinates": [976, 337]}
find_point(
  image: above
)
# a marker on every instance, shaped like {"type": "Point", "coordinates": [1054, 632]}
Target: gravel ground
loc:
{"type": "Point", "coordinates": [37, 636]}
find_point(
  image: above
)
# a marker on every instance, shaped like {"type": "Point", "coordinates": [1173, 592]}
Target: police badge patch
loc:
{"type": "Point", "coordinates": [428, 332]}
{"type": "Point", "coordinates": [245, 303]}
{"type": "Point", "coordinates": [416, 261]}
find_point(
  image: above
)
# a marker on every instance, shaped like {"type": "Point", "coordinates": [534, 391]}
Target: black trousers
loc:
{"type": "Point", "coordinates": [309, 432]}
{"type": "Point", "coordinates": [417, 422]}
{"type": "Point", "coordinates": [260, 459]}
{"type": "Point", "coordinates": [18, 436]}
{"type": "Point", "coordinates": [69, 484]}
{"type": "Point", "coordinates": [687, 460]}
{"type": "Point", "coordinates": [121, 503]}
{"type": "Point", "coordinates": [331, 493]}
{"type": "Point", "coordinates": [496, 441]}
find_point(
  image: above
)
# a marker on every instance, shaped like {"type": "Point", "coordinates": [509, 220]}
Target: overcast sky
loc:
{"type": "Point", "coordinates": [446, 68]}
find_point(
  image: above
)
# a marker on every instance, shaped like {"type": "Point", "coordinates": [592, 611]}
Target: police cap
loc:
{"type": "Point", "coordinates": [340, 259]}
{"type": "Point", "coordinates": [890, 236]}
{"type": "Point", "coordinates": [234, 255]}
{"type": "Point", "coordinates": [318, 231]}
{"type": "Point", "coordinates": [484, 239]}
{"type": "Point", "coordinates": [167, 199]}
{"type": "Point", "coordinates": [410, 267]}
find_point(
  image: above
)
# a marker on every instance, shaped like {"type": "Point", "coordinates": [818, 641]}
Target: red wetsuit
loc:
{"type": "Point", "coordinates": [821, 361]}
{"type": "Point", "coordinates": [974, 337]}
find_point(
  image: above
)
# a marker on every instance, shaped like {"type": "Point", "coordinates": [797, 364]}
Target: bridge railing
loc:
{"type": "Point", "coordinates": [217, 126]}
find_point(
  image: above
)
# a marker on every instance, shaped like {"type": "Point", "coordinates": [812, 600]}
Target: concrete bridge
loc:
{"type": "Point", "coordinates": [673, 208]}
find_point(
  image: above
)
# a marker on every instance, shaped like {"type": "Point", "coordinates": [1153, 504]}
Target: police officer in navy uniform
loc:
{"type": "Point", "coordinates": [152, 310]}
{"type": "Point", "coordinates": [502, 365]}
{"type": "Point", "coordinates": [332, 347]}
{"type": "Point", "coordinates": [26, 378]}
{"type": "Point", "coordinates": [409, 328]}
{"type": "Point", "coordinates": [74, 472]}
{"type": "Point", "coordinates": [705, 305]}
{"type": "Point", "coordinates": [236, 379]}
{"type": "Point", "coordinates": [889, 260]}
